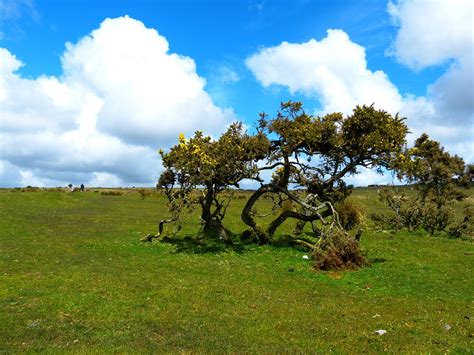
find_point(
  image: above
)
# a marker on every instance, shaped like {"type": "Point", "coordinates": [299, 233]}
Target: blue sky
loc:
{"type": "Point", "coordinates": [225, 60]}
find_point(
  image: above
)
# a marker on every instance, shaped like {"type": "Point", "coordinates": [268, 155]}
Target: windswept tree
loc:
{"type": "Point", "coordinates": [438, 177]}
{"type": "Point", "coordinates": [310, 157]}
{"type": "Point", "coordinates": [437, 173]}
{"type": "Point", "coordinates": [209, 167]}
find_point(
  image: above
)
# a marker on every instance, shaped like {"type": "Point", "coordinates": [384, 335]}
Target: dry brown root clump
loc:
{"type": "Point", "coordinates": [338, 251]}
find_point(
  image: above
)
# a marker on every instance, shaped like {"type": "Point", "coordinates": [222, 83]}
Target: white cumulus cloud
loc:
{"type": "Point", "coordinates": [432, 31]}
{"type": "Point", "coordinates": [332, 70]}
{"type": "Point", "coordinates": [121, 96]}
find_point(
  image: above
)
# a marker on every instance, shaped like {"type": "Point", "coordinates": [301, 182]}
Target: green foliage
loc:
{"type": "Point", "coordinates": [438, 176]}
{"type": "Point", "coordinates": [335, 145]}
{"type": "Point", "coordinates": [436, 173]}
{"type": "Point", "coordinates": [201, 161]}
{"type": "Point", "coordinates": [466, 226]}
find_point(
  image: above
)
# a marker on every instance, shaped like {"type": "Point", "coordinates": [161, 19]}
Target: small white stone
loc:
{"type": "Point", "coordinates": [380, 331]}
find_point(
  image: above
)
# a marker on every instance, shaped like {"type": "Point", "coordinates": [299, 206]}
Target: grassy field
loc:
{"type": "Point", "coordinates": [74, 277]}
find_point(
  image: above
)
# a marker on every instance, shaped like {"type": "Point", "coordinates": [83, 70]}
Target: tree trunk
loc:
{"type": "Point", "coordinates": [206, 205]}
{"type": "Point", "coordinates": [212, 224]}
{"type": "Point", "coordinates": [216, 229]}
{"type": "Point", "coordinates": [248, 219]}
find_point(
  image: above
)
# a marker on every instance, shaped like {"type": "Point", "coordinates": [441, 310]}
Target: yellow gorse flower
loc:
{"type": "Point", "coordinates": [182, 140]}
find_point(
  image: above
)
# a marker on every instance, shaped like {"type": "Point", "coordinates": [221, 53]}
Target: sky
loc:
{"type": "Point", "coordinates": [91, 90]}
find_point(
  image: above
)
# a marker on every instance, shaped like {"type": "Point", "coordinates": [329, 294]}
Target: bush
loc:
{"type": "Point", "coordinates": [438, 177]}
{"type": "Point", "coordinates": [418, 213]}
{"type": "Point", "coordinates": [30, 189]}
{"type": "Point", "coordinates": [55, 189]}
{"type": "Point", "coordinates": [465, 227]}
{"type": "Point", "coordinates": [144, 193]}
{"type": "Point", "coordinates": [351, 215]}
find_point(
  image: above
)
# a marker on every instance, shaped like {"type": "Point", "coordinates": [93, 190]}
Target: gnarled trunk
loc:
{"type": "Point", "coordinates": [212, 219]}
{"type": "Point", "coordinates": [310, 213]}
{"type": "Point", "coordinates": [248, 219]}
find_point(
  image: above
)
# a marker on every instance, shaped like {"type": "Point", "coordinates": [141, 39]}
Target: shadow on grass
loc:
{"type": "Point", "coordinates": [200, 245]}
{"type": "Point", "coordinates": [288, 241]}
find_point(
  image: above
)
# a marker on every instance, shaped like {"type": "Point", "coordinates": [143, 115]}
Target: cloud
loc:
{"type": "Point", "coordinates": [31, 105]}
{"type": "Point", "coordinates": [226, 75]}
{"type": "Point", "coordinates": [334, 72]}
{"type": "Point", "coordinates": [431, 32]}
{"type": "Point", "coordinates": [147, 89]}
{"type": "Point", "coordinates": [121, 96]}
{"type": "Point", "coordinates": [370, 176]}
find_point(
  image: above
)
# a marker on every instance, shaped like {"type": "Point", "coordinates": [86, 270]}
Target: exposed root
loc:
{"type": "Point", "coordinates": [176, 227]}
{"type": "Point", "coordinates": [149, 237]}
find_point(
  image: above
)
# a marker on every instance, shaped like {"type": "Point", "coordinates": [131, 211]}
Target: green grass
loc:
{"type": "Point", "coordinates": [74, 277]}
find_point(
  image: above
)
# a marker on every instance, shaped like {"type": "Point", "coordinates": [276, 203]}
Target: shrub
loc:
{"type": "Point", "coordinates": [465, 227]}
{"type": "Point", "coordinates": [144, 193]}
{"type": "Point", "coordinates": [30, 189]}
{"type": "Point", "coordinates": [416, 212]}
{"type": "Point", "coordinates": [351, 215]}
{"type": "Point", "coordinates": [438, 176]}
{"type": "Point", "coordinates": [287, 205]}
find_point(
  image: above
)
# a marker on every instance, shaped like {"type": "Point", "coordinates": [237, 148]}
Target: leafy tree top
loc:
{"type": "Point", "coordinates": [202, 161]}
{"type": "Point", "coordinates": [317, 152]}
{"type": "Point", "coordinates": [436, 172]}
